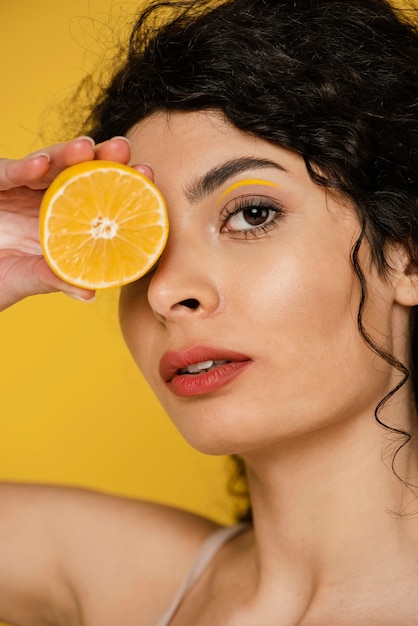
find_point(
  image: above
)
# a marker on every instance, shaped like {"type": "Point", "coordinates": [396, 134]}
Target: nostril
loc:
{"type": "Point", "coordinates": [190, 303]}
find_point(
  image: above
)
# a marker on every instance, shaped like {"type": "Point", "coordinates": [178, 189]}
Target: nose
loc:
{"type": "Point", "coordinates": [184, 283]}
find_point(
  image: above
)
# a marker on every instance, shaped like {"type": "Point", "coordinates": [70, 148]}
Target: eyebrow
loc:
{"type": "Point", "coordinates": [217, 176]}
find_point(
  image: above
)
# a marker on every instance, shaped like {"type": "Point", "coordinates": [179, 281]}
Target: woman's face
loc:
{"type": "Point", "coordinates": [247, 329]}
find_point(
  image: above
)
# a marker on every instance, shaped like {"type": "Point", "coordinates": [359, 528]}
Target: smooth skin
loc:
{"type": "Point", "coordinates": [276, 285]}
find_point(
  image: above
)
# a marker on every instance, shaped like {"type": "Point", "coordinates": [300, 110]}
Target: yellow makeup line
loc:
{"type": "Point", "coordinates": [244, 183]}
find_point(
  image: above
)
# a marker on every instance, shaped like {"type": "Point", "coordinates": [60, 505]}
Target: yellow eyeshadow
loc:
{"type": "Point", "coordinates": [250, 181]}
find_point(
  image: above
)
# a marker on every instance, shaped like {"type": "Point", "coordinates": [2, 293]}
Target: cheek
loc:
{"type": "Point", "coordinates": [301, 296]}
{"type": "Point", "coordinates": [136, 319]}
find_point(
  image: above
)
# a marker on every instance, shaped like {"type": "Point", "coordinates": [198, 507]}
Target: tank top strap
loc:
{"type": "Point", "coordinates": [206, 553]}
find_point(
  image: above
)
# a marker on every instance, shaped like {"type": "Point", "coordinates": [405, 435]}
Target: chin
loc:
{"type": "Point", "coordinates": [213, 444]}
{"type": "Point", "coordinates": [221, 435]}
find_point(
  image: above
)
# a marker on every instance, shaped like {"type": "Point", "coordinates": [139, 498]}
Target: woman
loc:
{"type": "Point", "coordinates": [278, 325]}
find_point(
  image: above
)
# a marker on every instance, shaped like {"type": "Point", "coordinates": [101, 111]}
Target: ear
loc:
{"type": "Point", "coordinates": [404, 276]}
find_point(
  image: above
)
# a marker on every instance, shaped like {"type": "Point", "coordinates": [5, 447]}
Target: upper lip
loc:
{"type": "Point", "coordinates": [173, 361]}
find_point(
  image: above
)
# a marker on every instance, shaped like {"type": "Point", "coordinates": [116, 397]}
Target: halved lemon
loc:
{"type": "Point", "coordinates": [102, 224]}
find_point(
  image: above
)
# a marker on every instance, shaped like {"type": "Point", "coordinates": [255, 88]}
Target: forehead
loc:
{"type": "Point", "coordinates": [187, 145]}
{"type": "Point", "coordinates": [182, 126]}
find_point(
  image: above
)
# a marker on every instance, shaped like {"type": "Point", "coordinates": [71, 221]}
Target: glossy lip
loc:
{"type": "Point", "coordinates": [187, 385]}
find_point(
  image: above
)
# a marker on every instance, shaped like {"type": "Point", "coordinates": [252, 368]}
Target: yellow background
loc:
{"type": "Point", "coordinates": [74, 409]}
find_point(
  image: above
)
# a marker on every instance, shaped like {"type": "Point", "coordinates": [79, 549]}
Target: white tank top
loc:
{"type": "Point", "coordinates": [207, 552]}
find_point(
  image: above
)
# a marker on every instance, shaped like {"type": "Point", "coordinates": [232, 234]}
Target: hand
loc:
{"type": "Point", "coordinates": [23, 270]}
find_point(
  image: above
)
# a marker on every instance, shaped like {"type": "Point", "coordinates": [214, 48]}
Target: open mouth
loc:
{"type": "Point", "coordinates": [205, 377]}
{"type": "Point", "coordinates": [201, 370]}
{"type": "Point", "coordinates": [202, 367]}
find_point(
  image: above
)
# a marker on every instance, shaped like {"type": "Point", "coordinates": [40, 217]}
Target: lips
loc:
{"type": "Point", "coordinates": [201, 369]}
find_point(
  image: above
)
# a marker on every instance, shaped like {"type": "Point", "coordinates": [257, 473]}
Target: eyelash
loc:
{"type": "Point", "coordinates": [251, 202]}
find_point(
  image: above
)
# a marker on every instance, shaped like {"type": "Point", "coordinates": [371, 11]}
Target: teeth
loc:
{"type": "Point", "coordinates": [196, 368]}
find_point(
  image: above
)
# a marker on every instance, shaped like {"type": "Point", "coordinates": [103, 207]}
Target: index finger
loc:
{"type": "Point", "coordinates": [23, 172]}
{"type": "Point", "coordinates": [39, 169]}
{"type": "Point", "coordinates": [63, 155]}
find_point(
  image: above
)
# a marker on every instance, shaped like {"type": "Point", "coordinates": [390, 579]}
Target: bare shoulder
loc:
{"type": "Point", "coordinates": [141, 527]}
{"type": "Point", "coordinates": [124, 552]}
{"type": "Point", "coordinates": [113, 559]}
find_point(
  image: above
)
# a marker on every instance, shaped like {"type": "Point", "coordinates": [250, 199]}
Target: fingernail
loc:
{"type": "Point", "coordinates": [85, 138]}
{"type": "Point", "coordinates": [144, 168]}
{"type": "Point", "coordinates": [91, 297]}
{"type": "Point", "coordinates": [123, 139]}
{"type": "Point", "coordinates": [45, 155]}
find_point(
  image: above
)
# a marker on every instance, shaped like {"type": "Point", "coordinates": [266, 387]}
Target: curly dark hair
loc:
{"type": "Point", "coordinates": [333, 80]}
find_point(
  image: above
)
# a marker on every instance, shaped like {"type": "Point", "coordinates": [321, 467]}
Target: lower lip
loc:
{"type": "Point", "coordinates": [188, 385]}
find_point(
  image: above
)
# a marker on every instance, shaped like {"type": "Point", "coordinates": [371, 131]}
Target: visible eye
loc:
{"type": "Point", "coordinates": [251, 215]}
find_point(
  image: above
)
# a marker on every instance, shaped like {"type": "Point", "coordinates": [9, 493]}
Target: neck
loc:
{"type": "Point", "coordinates": [328, 503]}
